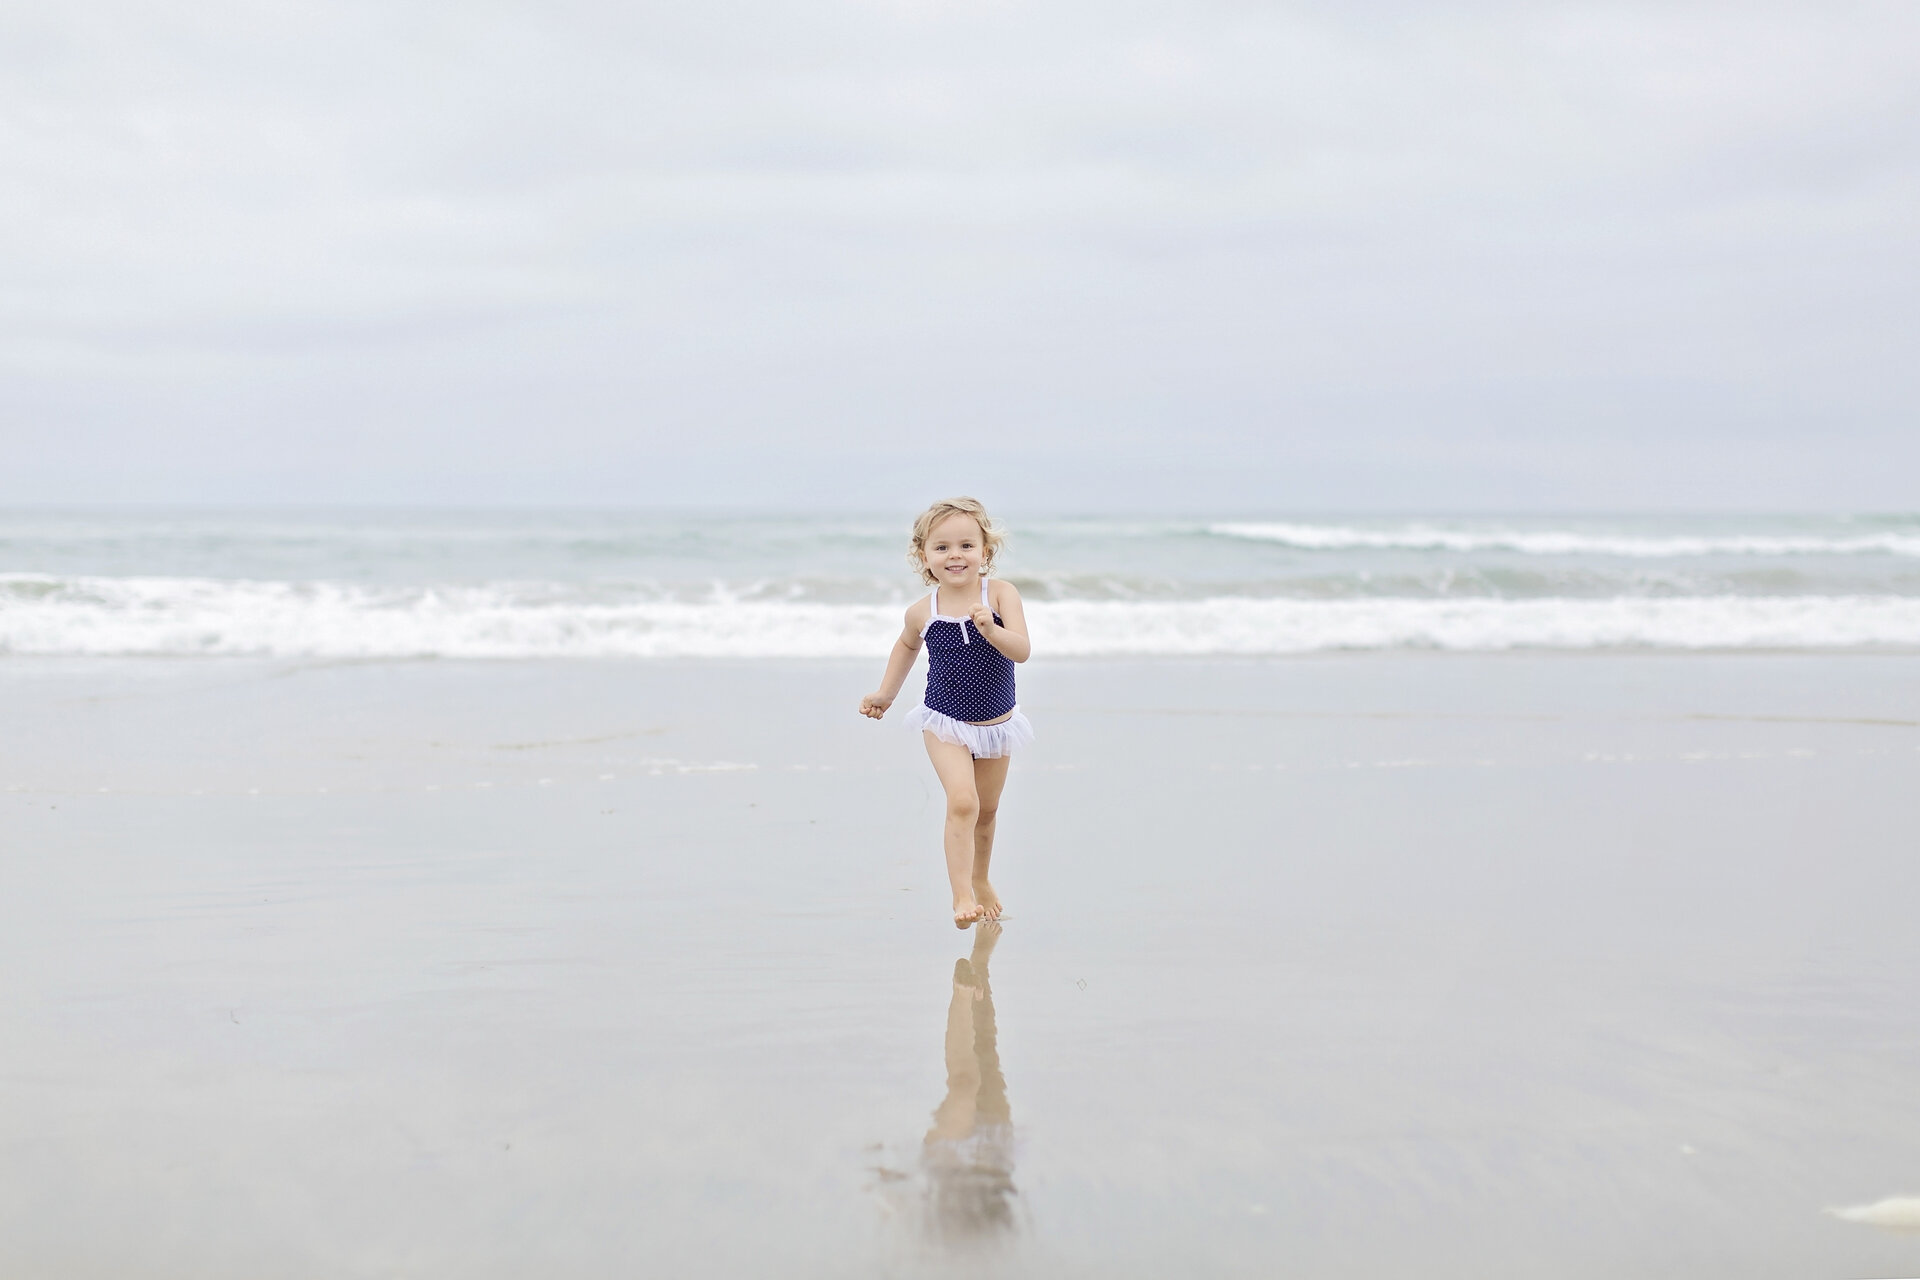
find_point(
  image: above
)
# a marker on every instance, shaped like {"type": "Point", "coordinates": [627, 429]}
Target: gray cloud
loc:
{"type": "Point", "coordinates": [1500, 255]}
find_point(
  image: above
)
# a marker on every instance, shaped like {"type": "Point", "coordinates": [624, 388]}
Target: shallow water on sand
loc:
{"type": "Point", "coordinates": [1508, 965]}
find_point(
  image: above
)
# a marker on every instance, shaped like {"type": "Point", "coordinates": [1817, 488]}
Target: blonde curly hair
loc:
{"type": "Point", "coordinates": [992, 536]}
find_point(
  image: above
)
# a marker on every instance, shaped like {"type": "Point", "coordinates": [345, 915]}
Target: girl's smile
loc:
{"type": "Point", "coordinates": [955, 548]}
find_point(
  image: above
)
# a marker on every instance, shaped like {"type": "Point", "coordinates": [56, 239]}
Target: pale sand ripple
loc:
{"type": "Point", "coordinates": [1901, 1213]}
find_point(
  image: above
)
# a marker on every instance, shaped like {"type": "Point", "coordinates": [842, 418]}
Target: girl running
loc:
{"type": "Point", "coordinates": [974, 631]}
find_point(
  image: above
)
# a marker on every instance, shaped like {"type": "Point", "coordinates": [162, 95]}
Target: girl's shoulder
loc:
{"type": "Point", "coordinates": [999, 589]}
{"type": "Point", "coordinates": [920, 610]}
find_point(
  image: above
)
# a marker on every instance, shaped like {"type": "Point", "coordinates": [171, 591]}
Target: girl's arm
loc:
{"type": "Point", "coordinates": [899, 662]}
{"type": "Point", "coordinates": [1010, 635]}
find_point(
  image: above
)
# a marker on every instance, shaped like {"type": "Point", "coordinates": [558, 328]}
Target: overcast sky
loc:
{"type": "Point", "coordinates": [1194, 255]}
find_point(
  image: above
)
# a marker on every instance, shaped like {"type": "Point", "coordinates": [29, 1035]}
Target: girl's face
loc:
{"type": "Point", "coordinates": [955, 550]}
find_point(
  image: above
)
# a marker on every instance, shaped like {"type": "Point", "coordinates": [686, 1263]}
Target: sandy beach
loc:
{"type": "Point", "coordinates": [1441, 482]}
{"type": "Point", "coordinates": [1439, 965]}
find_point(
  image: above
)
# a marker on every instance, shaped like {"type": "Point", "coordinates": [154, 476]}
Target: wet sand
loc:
{"type": "Point", "coordinates": [1391, 964]}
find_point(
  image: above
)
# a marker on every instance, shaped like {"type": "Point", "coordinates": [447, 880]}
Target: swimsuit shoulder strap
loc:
{"type": "Point", "coordinates": [933, 610]}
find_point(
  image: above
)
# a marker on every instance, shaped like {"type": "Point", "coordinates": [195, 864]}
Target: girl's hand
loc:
{"type": "Point", "coordinates": [982, 617]}
{"type": "Point", "coordinates": [873, 706]}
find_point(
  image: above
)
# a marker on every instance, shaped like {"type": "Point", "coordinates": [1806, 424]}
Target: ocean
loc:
{"type": "Point", "coordinates": [531, 584]}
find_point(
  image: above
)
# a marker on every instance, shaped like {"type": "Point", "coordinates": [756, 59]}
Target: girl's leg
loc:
{"type": "Point", "coordinates": [989, 779]}
{"type": "Point", "coordinates": [954, 764]}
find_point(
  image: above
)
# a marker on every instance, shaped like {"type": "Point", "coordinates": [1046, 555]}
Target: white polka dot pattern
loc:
{"type": "Point", "coordinates": [967, 678]}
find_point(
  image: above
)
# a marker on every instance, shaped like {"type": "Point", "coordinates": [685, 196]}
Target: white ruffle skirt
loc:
{"type": "Point", "coordinates": [986, 741]}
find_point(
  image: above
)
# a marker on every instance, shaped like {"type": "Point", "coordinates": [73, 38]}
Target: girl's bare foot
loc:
{"type": "Point", "coordinates": [965, 912]}
{"type": "Point", "coordinates": [989, 900]}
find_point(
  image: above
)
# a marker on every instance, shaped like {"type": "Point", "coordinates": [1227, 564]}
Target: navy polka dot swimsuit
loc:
{"type": "Point", "coordinates": [967, 678]}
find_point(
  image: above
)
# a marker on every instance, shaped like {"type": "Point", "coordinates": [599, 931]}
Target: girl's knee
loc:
{"type": "Point", "coordinates": [963, 804]}
{"type": "Point", "coordinates": [986, 814]}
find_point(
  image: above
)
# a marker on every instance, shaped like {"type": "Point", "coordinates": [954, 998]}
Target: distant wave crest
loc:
{"type": "Point", "coordinates": [1549, 542]}
{"type": "Point", "coordinates": [197, 616]}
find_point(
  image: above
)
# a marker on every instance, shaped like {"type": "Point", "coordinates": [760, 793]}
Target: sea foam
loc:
{"type": "Point", "coordinates": [1552, 542]}
{"type": "Point", "coordinates": [201, 616]}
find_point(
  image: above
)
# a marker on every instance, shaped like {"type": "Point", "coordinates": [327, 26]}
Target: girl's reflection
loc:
{"type": "Point", "coordinates": [968, 1153]}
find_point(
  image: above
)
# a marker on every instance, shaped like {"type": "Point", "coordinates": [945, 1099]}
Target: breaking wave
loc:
{"type": "Point", "coordinates": [1550, 542]}
{"type": "Point", "coordinates": [41, 614]}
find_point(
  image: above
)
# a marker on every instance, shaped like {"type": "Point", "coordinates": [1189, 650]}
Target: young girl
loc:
{"type": "Point", "coordinates": [974, 631]}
